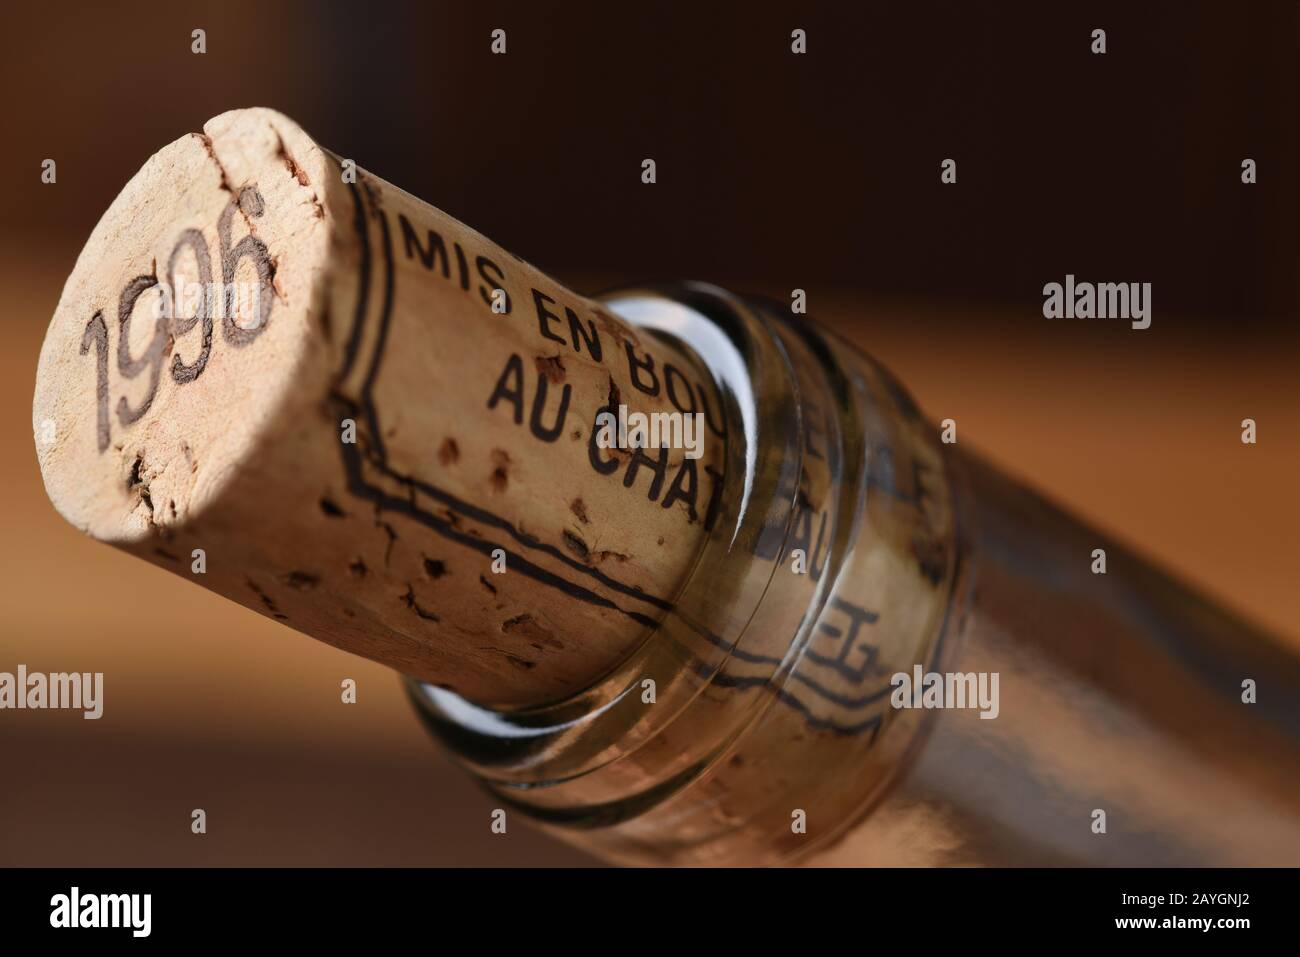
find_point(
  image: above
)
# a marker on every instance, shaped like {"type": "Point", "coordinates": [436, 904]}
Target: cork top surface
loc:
{"type": "Point", "coordinates": [180, 331]}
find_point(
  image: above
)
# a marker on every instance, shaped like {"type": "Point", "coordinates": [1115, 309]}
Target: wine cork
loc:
{"type": "Point", "coordinates": [299, 386]}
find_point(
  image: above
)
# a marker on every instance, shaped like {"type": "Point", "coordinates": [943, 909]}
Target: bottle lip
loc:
{"type": "Point", "coordinates": [520, 750]}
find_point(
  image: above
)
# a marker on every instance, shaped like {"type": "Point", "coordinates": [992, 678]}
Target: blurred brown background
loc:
{"type": "Point", "coordinates": [775, 172]}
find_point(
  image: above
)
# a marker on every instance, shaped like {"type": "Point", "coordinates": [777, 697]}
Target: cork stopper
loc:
{"type": "Point", "coordinates": [276, 375]}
